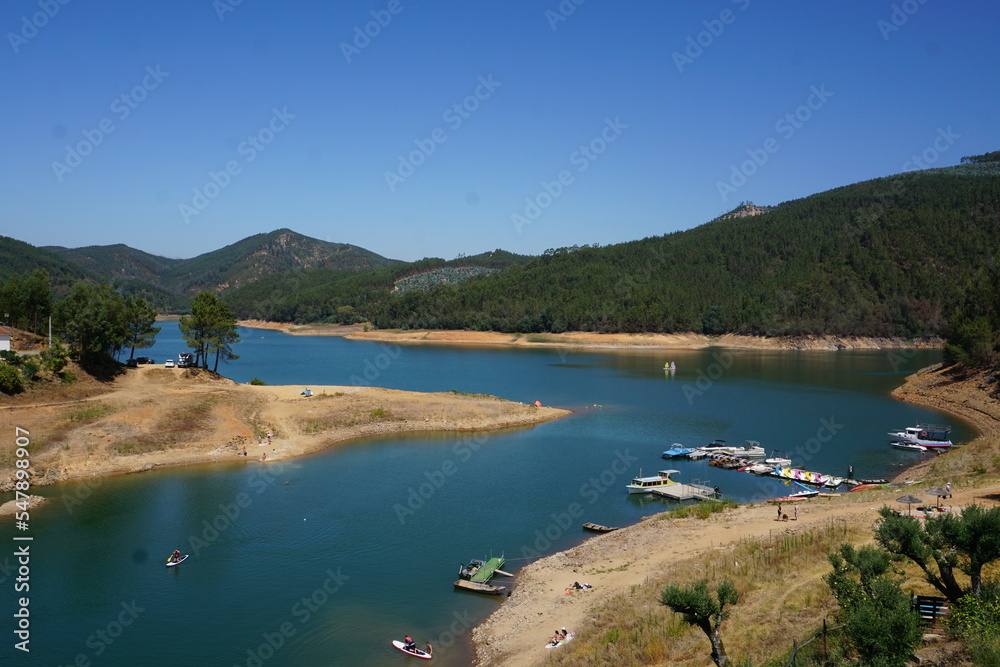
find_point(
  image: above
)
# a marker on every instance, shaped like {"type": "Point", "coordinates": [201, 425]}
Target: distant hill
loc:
{"type": "Point", "coordinates": [265, 254]}
{"type": "Point", "coordinates": [118, 261]}
{"type": "Point", "coordinates": [886, 257]}
{"type": "Point", "coordinates": [18, 257]}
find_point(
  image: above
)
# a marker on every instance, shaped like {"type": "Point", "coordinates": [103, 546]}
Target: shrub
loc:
{"type": "Point", "coordinates": [11, 381]}
{"type": "Point", "coordinates": [257, 381]}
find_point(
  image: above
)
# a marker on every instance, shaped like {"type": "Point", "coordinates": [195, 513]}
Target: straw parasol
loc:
{"type": "Point", "coordinates": [909, 500]}
{"type": "Point", "coordinates": [939, 492]}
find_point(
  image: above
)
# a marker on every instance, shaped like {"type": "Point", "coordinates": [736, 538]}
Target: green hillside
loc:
{"type": "Point", "coordinates": [118, 261]}
{"type": "Point", "coordinates": [884, 257]}
{"type": "Point", "coordinates": [318, 295]}
{"type": "Point", "coordinates": [18, 258]}
{"type": "Point", "coordinates": [264, 254]}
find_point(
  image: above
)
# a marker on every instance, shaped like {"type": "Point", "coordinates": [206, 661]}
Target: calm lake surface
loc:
{"type": "Point", "coordinates": [324, 559]}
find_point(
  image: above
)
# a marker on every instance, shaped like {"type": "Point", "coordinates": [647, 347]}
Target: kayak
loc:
{"type": "Point", "coordinates": [561, 641]}
{"type": "Point", "coordinates": [171, 563]}
{"type": "Point", "coordinates": [416, 653]}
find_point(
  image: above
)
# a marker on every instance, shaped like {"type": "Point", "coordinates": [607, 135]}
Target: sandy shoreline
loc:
{"type": "Point", "coordinates": [619, 562]}
{"type": "Point", "coordinates": [202, 418]}
{"type": "Point", "coordinates": [583, 339]}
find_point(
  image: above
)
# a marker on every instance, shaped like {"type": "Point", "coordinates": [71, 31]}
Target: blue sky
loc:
{"type": "Point", "coordinates": [460, 127]}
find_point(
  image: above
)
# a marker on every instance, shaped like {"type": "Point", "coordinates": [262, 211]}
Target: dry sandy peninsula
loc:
{"type": "Point", "coordinates": [584, 339]}
{"type": "Point", "coordinates": [618, 564]}
{"type": "Point", "coordinates": [152, 416]}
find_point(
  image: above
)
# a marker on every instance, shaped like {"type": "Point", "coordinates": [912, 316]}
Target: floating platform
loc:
{"type": "Point", "coordinates": [686, 492]}
{"type": "Point", "coordinates": [486, 571]}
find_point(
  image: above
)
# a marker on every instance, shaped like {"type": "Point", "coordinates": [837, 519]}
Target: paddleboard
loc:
{"type": "Point", "coordinates": [417, 653]}
{"type": "Point", "coordinates": [171, 563]}
{"type": "Point", "coordinates": [569, 636]}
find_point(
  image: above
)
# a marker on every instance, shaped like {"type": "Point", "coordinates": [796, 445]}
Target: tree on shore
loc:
{"type": "Point", "coordinates": [139, 330]}
{"type": "Point", "coordinates": [966, 542]}
{"type": "Point", "coordinates": [879, 619]}
{"type": "Point", "coordinates": [210, 329]}
{"type": "Point", "coordinates": [92, 320]}
{"type": "Point", "coordinates": [700, 608]}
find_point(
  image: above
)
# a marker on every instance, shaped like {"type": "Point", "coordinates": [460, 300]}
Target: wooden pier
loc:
{"type": "Point", "coordinates": [686, 492]}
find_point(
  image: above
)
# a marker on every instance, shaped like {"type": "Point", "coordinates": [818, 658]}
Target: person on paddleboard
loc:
{"type": "Point", "coordinates": [176, 555]}
{"type": "Point", "coordinates": [409, 644]}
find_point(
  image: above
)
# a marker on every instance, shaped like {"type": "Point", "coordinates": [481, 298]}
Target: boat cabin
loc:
{"type": "Point", "coordinates": [647, 484]}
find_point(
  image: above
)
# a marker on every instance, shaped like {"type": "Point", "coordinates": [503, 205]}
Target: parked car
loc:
{"type": "Point", "coordinates": [144, 360]}
{"type": "Point", "coordinates": [132, 363]}
{"type": "Point", "coordinates": [169, 363]}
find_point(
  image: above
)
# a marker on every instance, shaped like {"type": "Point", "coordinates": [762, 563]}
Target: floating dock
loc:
{"type": "Point", "coordinates": [686, 492]}
{"type": "Point", "coordinates": [486, 571]}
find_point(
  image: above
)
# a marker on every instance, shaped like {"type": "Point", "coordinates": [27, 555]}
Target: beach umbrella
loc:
{"type": "Point", "coordinates": [909, 500]}
{"type": "Point", "coordinates": [939, 492]}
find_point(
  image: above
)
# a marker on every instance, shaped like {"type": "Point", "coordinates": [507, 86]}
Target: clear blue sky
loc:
{"type": "Point", "coordinates": [152, 98]}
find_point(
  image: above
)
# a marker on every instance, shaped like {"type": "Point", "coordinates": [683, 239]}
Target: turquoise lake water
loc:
{"type": "Point", "coordinates": [324, 559]}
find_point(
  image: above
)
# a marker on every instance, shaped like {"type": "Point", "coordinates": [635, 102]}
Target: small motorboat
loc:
{"type": "Point", "coordinates": [909, 446]}
{"type": "Point", "coordinates": [697, 454]}
{"type": "Point", "coordinates": [677, 450]}
{"type": "Point", "coordinates": [779, 458]}
{"type": "Point", "coordinates": [928, 435]}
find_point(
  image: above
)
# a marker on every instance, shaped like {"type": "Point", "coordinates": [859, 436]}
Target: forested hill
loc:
{"type": "Point", "coordinates": [889, 256]}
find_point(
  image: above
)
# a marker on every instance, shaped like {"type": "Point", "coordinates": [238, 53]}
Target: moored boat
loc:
{"type": "Point", "coordinates": [778, 458]}
{"type": "Point", "coordinates": [910, 446]}
{"type": "Point", "coordinates": [751, 449]}
{"type": "Point", "coordinates": [928, 435]}
{"type": "Point", "coordinates": [598, 528]}
{"type": "Point", "coordinates": [677, 450]}
{"type": "Point", "coordinates": [647, 484]}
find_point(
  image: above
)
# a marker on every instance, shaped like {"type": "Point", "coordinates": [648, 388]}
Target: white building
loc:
{"type": "Point", "coordinates": [4, 339]}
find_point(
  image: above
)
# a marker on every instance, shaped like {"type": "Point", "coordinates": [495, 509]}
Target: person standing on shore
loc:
{"type": "Point", "coordinates": [796, 512]}
{"type": "Point", "coordinates": [947, 487]}
{"type": "Point", "coordinates": [779, 512]}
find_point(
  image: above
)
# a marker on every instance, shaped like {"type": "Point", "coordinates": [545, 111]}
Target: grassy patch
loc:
{"type": "Point", "coordinates": [90, 413]}
{"type": "Point", "coordinates": [380, 414]}
{"type": "Point", "coordinates": [701, 510]}
{"type": "Point", "coordinates": [137, 445]}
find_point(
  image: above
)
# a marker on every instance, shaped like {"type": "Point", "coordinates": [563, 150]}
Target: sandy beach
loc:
{"type": "Point", "coordinates": [658, 549]}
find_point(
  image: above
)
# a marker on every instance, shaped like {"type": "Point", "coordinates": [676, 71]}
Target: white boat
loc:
{"type": "Point", "coordinates": [716, 447]}
{"type": "Point", "coordinates": [778, 459]}
{"type": "Point", "coordinates": [642, 484]}
{"type": "Point", "coordinates": [928, 435]}
{"type": "Point", "coordinates": [697, 454]}
{"type": "Point", "coordinates": [761, 468]}
{"type": "Point", "coordinates": [911, 446]}
{"type": "Point", "coordinates": [751, 449]}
